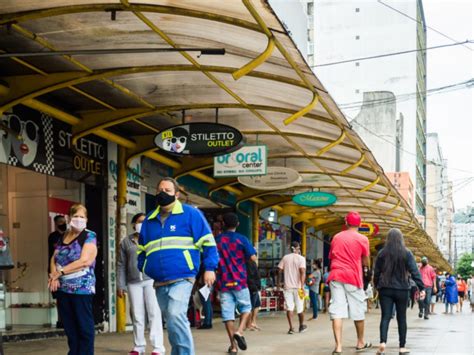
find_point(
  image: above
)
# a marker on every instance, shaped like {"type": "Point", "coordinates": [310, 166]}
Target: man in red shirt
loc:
{"type": "Point", "coordinates": [348, 253]}
{"type": "Point", "coordinates": [428, 276]}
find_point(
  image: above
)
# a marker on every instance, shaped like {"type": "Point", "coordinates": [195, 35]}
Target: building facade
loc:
{"type": "Point", "coordinates": [351, 30]}
{"type": "Point", "coordinates": [463, 233]}
{"type": "Point", "coordinates": [439, 199]}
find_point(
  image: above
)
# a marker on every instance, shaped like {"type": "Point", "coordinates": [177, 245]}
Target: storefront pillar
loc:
{"type": "Point", "coordinates": [121, 226]}
{"type": "Point", "coordinates": [303, 239]}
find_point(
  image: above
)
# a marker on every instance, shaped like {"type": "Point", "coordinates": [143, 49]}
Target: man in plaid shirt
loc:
{"type": "Point", "coordinates": [234, 250]}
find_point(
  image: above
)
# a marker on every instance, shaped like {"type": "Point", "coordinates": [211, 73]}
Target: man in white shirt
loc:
{"type": "Point", "coordinates": [293, 266]}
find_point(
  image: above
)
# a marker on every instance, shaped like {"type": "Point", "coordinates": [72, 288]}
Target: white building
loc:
{"type": "Point", "coordinates": [463, 233]}
{"type": "Point", "coordinates": [439, 199]}
{"type": "Point", "coordinates": [353, 29]}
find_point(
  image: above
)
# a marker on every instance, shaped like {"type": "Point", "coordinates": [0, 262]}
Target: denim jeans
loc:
{"type": "Point", "coordinates": [425, 304]}
{"type": "Point", "coordinates": [207, 310]}
{"type": "Point", "coordinates": [174, 300]}
{"type": "Point", "coordinates": [313, 296]}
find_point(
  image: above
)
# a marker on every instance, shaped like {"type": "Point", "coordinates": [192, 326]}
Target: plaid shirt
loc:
{"type": "Point", "coordinates": [234, 250]}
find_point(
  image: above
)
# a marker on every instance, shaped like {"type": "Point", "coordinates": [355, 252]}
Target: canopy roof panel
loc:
{"type": "Point", "coordinates": [262, 86]}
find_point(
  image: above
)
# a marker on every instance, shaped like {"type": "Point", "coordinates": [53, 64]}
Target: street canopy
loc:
{"type": "Point", "coordinates": [120, 75]}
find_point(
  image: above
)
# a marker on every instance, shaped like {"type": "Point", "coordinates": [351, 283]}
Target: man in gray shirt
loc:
{"type": "Point", "coordinates": [314, 281]}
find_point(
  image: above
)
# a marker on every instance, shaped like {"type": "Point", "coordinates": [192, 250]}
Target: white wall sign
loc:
{"type": "Point", "coordinates": [248, 160]}
{"type": "Point", "coordinates": [277, 177]}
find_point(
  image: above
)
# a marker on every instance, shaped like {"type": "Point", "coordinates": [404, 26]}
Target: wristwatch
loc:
{"type": "Point", "coordinates": [60, 269]}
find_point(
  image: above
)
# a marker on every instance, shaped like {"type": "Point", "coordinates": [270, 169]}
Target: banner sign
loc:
{"type": "Point", "coordinates": [315, 199]}
{"type": "Point", "coordinates": [277, 177]}
{"type": "Point", "coordinates": [248, 160]}
{"type": "Point", "coordinates": [199, 139]}
{"type": "Point", "coordinates": [33, 140]}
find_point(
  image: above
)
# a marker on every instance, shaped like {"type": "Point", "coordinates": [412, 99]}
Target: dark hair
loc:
{"type": "Point", "coordinates": [231, 220]}
{"type": "Point", "coordinates": [173, 181]}
{"type": "Point", "coordinates": [318, 263]}
{"type": "Point", "coordinates": [136, 217]}
{"type": "Point", "coordinates": [394, 253]}
{"type": "Point", "coordinates": [58, 217]}
{"type": "Point", "coordinates": [294, 246]}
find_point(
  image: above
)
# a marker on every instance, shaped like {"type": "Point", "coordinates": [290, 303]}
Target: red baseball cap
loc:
{"type": "Point", "coordinates": [353, 219]}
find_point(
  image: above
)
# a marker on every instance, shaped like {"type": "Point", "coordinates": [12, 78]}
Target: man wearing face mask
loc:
{"type": "Point", "coordinates": [170, 245]}
{"type": "Point", "coordinates": [428, 276]}
{"type": "Point", "coordinates": [60, 228]}
{"type": "Point", "coordinates": [141, 292]}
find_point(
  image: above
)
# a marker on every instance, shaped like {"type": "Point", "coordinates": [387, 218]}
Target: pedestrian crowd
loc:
{"type": "Point", "coordinates": [173, 257]}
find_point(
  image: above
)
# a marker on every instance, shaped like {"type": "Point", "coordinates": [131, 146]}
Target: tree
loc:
{"type": "Point", "coordinates": [464, 266]}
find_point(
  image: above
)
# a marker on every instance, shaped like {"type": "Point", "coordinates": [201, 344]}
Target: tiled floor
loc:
{"type": "Point", "coordinates": [442, 334]}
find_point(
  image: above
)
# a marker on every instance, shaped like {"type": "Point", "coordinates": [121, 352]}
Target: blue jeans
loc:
{"type": "Point", "coordinates": [313, 297]}
{"type": "Point", "coordinates": [230, 300]}
{"type": "Point", "coordinates": [173, 300]}
{"type": "Point", "coordinates": [207, 309]}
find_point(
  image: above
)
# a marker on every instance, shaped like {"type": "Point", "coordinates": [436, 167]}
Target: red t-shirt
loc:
{"type": "Point", "coordinates": [346, 252]}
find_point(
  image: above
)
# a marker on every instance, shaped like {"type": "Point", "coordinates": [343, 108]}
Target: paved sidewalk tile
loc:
{"type": "Point", "coordinates": [441, 334]}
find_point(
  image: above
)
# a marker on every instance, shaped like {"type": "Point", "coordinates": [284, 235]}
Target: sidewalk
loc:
{"type": "Point", "coordinates": [441, 334]}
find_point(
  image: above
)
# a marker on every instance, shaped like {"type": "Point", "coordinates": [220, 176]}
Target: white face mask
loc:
{"type": "Point", "coordinates": [79, 224]}
{"type": "Point", "coordinates": [138, 227]}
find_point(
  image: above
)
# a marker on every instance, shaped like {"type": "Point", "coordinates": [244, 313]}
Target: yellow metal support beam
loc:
{"type": "Point", "coordinates": [108, 7]}
{"type": "Point", "coordinates": [247, 68]}
{"type": "Point", "coordinates": [255, 229]}
{"type": "Point", "coordinates": [303, 111]}
{"type": "Point", "coordinates": [339, 140]}
{"type": "Point", "coordinates": [393, 208]}
{"type": "Point", "coordinates": [382, 199]}
{"type": "Point", "coordinates": [372, 184]}
{"type": "Point", "coordinates": [303, 239]}
{"type": "Point", "coordinates": [355, 165]}
{"type": "Point", "coordinates": [25, 87]}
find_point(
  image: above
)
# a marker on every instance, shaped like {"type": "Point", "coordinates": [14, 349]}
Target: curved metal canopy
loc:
{"type": "Point", "coordinates": [262, 86]}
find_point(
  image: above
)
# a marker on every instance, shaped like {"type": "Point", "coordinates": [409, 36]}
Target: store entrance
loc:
{"type": "Point", "coordinates": [28, 203]}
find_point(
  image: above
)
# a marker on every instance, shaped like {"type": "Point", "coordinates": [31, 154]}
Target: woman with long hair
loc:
{"type": "Point", "coordinates": [393, 266]}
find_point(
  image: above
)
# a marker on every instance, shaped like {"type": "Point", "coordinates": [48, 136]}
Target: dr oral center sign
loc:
{"type": "Point", "coordinates": [247, 161]}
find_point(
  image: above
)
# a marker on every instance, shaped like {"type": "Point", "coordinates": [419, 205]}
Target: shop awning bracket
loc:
{"type": "Point", "coordinates": [254, 63]}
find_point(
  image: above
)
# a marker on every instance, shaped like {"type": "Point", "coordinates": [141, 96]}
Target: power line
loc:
{"type": "Point", "coordinates": [402, 149]}
{"type": "Point", "coordinates": [465, 184]}
{"type": "Point", "coordinates": [408, 96]}
{"type": "Point", "coordinates": [421, 23]}
{"type": "Point", "coordinates": [391, 54]}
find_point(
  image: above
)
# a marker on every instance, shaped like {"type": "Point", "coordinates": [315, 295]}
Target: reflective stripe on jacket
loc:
{"type": "Point", "coordinates": [172, 250]}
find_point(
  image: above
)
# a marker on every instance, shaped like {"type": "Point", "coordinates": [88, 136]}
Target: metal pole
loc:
{"type": "Point", "coordinates": [121, 225]}
{"type": "Point", "coordinates": [303, 239]}
{"type": "Point", "coordinates": [255, 226]}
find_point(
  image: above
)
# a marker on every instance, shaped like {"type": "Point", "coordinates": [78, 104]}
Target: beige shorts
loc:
{"type": "Point", "coordinates": [347, 301]}
{"type": "Point", "coordinates": [292, 300]}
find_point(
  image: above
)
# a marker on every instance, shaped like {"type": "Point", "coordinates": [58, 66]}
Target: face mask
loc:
{"type": "Point", "coordinates": [138, 227]}
{"type": "Point", "coordinates": [78, 223]}
{"type": "Point", "coordinates": [62, 227]}
{"type": "Point", "coordinates": [163, 199]}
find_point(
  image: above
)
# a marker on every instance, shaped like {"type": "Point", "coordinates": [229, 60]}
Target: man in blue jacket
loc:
{"type": "Point", "coordinates": [171, 241]}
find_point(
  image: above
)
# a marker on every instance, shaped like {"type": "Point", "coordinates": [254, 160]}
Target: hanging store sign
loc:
{"type": "Point", "coordinates": [199, 139]}
{"type": "Point", "coordinates": [369, 229]}
{"type": "Point", "coordinates": [277, 177]}
{"type": "Point", "coordinates": [314, 199]}
{"type": "Point", "coordinates": [249, 160]}
{"type": "Point", "coordinates": [33, 140]}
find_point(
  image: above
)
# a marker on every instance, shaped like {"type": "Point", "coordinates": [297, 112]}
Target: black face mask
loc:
{"type": "Point", "coordinates": [62, 227]}
{"type": "Point", "coordinates": [163, 199]}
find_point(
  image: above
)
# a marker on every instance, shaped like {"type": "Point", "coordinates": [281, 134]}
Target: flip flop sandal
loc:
{"type": "Point", "coordinates": [365, 347]}
{"type": "Point", "coordinates": [240, 341]}
{"type": "Point", "coordinates": [232, 352]}
{"type": "Point", "coordinates": [337, 352]}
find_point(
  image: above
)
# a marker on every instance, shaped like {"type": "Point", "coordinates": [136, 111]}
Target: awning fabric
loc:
{"type": "Point", "coordinates": [262, 86]}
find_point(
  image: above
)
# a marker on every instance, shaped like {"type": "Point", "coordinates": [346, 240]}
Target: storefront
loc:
{"type": "Point", "coordinates": [41, 176]}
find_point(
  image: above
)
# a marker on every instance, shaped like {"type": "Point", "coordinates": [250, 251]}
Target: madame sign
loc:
{"type": "Point", "coordinates": [314, 199]}
{"type": "Point", "coordinates": [199, 139]}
